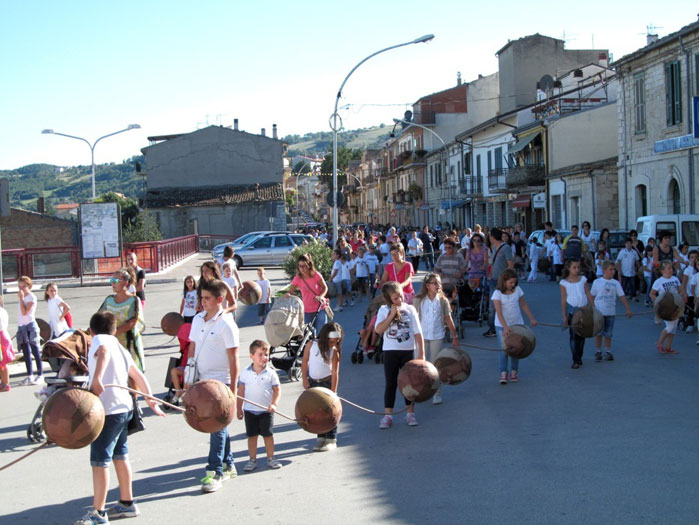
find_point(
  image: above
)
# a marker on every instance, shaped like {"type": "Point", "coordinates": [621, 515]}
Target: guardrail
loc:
{"type": "Point", "coordinates": [64, 261]}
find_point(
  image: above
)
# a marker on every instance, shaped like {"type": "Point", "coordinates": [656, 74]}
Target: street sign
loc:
{"type": "Point", "coordinates": [393, 213]}
{"type": "Point", "coordinates": [100, 230]}
{"type": "Point", "coordinates": [539, 200]}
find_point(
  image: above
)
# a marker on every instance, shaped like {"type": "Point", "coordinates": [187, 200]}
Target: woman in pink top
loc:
{"type": "Point", "coordinates": [313, 290]}
{"type": "Point", "coordinates": [399, 271]}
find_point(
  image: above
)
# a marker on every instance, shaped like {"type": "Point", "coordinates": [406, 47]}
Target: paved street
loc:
{"type": "Point", "coordinates": [613, 442]}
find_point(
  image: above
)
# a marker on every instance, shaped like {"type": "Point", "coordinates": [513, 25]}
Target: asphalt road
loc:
{"type": "Point", "coordinates": [612, 442]}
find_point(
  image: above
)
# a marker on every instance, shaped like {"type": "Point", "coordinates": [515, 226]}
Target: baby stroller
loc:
{"type": "Point", "coordinates": [67, 355]}
{"type": "Point", "coordinates": [369, 317]}
{"type": "Point", "coordinates": [474, 300]}
{"type": "Point", "coordinates": [287, 334]}
{"type": "Point", "coordinates": [179, 361]}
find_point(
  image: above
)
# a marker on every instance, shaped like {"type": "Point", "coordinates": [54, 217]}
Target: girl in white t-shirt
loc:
{"type": "Point", "coordinates": [321, 367]}
{"type": "Point", "coordinates": [398, 322]}
{"type": "Point", "coordinates": [667, 282]}
{"type": "Point", "coordinates": [28, 331]}
{"type": "Point", "coordinates": [188, 306]}
{"type": "Point", "coordinates": [647, 264]}
{"type": "Point", "coordinates": [574, 295]}
{"type": "Point", "coordinates": [508, 301]}
{"type": "Point", "coordinates": [264, 303]}
{"type": "Point", "coordinates": [557, 255]}
{"type": "Point", "coordinates": [58, 310]}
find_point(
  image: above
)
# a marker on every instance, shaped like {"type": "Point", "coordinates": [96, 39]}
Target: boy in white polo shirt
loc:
{"type": "Point", "coordinates": [214, 346]}
{"type": "Point", "coordinates": [259, 383]}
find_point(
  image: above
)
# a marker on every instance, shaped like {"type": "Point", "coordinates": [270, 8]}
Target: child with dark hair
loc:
{"type": "Point", "coordinates": [188, 306]}
{"type": "Point", "coordinates": [259, 383]}
{"type": "Point", "coordinates": [574, 295]}
{"type": "Point", "coordinates": [321, 367]}
{"type": "Point", "coordinates": [28, 330]}
{"type": "Point", "coordinates": [399, 324]}
{"type": "Point", "coordinates": [604, 291]}
{"type": "Point", "coordinates": [109, 363]}
{"type": "Point", "coordinates": [214, 345]}
{"type": "Point", "coordinates": [667, 282]}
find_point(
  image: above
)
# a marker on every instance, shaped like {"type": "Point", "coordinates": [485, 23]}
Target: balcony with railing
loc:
{"type": "Point", "coordinates": [471, 185]}
{"type": "Point", "coordinates": [520, 177]}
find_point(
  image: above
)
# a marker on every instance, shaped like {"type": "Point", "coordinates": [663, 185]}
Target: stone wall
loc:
{"type": "Point", "coordinates": [28, 229]}
{"type": "Point", "coordinates": [228, 219]}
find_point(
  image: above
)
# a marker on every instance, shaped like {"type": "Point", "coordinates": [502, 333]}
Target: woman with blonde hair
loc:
{"type": "Point", "coordinates": [434, 312]}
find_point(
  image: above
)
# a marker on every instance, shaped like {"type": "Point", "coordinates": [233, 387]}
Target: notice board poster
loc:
{"type": "Point", "coordinates": [100, 230]}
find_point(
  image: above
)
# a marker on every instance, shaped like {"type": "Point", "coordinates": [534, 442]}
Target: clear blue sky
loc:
{"type": "Point", "coordinates": [88, 68]}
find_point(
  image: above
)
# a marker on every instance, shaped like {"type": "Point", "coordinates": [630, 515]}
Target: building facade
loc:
{"type": "Point", "coordinates": [216, 180]}
{"type": "Point", "coordinates": [658, 156]}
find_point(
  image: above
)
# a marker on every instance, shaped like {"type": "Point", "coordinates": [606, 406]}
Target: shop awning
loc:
{"type": "Point", "coordinates": [522, 201]}
{"type": "Point", "coordinates": [520, 144]}
{"type": "Point", "coordinates": [445, 205]}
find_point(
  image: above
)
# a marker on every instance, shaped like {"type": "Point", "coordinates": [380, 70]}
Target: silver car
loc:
{"type": "Point", "coordinates": [268, 250]}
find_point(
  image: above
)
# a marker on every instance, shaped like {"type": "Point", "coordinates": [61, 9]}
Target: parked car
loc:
{"type": "Point", "coordinates": [241, 241]}
{"type": "Point", "coordinates": [688, 226]}
{"type": "Point", "coordinates": [268, 249]}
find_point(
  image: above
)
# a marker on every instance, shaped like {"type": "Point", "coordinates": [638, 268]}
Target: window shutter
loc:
{"type": "Point", "coordinates": [677, 93]}
{"type": "Point", "coordinates": [668, 93]}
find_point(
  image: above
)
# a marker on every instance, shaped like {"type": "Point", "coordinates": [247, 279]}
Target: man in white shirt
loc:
{"type": "Point", "coordinates": [415, 249]}
{"type": "Point", "coordinates": [466, 239]}
{"type": "Point", "coordinates": [214, 345]}
{"type": "Point", "coordinates": [627, 264]}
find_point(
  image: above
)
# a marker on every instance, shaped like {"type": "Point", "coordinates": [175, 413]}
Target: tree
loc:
{"type": "Point", "coordinates": [143, 228]}
{"type": "Point", "coordinates": [302, 167]}
{"type": "Point", "coordinates": [344, 156]}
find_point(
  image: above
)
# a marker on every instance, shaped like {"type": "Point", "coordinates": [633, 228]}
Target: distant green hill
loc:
{"type": "Point", "coordinates": [320, 142]}
{"type": "Point", "coordinates": [71, 184]}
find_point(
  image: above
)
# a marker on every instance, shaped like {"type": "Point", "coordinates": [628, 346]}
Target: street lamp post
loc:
{"type": "Point", "coordinates": [92, 146]}
{"type": "Point", "coordinates": [446, 158]}
{"type": "Point", "coordinates": [334, 117]}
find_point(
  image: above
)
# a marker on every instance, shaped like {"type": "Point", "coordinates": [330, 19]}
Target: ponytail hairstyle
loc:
{"type": "Point", "coordinates": [324, 337]}
{"type": "Point", "coordinates": [46, 290]}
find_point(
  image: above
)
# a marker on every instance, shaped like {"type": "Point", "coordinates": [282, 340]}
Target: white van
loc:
{"type": "Point", "coordinates": [686, 225]}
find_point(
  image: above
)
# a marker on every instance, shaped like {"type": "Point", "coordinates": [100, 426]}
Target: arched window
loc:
{"type": "Point", "coordinates": [674, 199]}
{"type": "Point", "coordinates": [641, 200]}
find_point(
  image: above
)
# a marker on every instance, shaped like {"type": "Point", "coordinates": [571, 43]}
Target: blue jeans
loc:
{"type": "Point", "coordinates": [577, 343]}
{"type": "Point", "coordinates": [28, 342]}
{"type": "Point", "coordinates": [428, 257]}
{"type": "Point", "coordinates": [219, 451]}
{"type": "Point", "coordinates": [649, 283]}
{"type": "Point", "coordinates": [111, 443]}
{"type": "Point", "coordinates": [321, 320]}
{"type": "Point", "coordinates": [503, 358]}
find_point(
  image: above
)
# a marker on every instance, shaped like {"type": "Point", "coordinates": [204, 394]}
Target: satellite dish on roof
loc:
{"type": "Point", "coordinates": [546, 83]}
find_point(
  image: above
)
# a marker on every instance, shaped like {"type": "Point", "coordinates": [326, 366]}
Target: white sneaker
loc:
{"type": "Point", "coordinates": [386, 422]}
{"type": "Point", "coordinates": [690, 329]}
{"type": "Point", "coordinates": [38, 380]}
{"type": "Point", "coordinates": [437, 399]}
{"type": "Point", "coordinates": [211, 482]}
{"type": "Point", "coordinates": [29, 380]}
{"type": "Point", "coordinates": [411, 420]}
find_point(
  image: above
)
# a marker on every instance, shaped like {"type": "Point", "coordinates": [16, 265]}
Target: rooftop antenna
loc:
{"type": "Point", "coordinates": [567, 38]}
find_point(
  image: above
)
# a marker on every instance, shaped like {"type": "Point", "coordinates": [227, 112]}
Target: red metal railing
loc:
{"type": "Point", "coordinates": [64, 261]}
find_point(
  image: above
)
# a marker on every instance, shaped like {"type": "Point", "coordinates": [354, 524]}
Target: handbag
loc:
{"type": "Point", "coordinates": [136, 423]}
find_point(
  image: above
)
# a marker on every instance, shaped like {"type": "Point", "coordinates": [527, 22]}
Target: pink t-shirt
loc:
{"type": "Point", "coordinates": [402, 275]}
{"type": "Point", "coordinates": [310, 288]}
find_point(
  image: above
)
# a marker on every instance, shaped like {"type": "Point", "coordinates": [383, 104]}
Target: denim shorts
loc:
{"type": "Point", "coordinates": [111, 443]}
{"type": "Point", "coordinates": [608, 326]}
{"type": "Point", "coordinates": [346, 285]}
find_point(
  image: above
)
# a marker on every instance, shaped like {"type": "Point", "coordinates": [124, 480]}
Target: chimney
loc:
{"type": "Point", "coordinates": [263, 132]}
{"type": "Point", "coordinates": [458, 78]}
{"type": "Point", "coordinates": [235, 124]}
{"type": "Point", "coordinates": [274, 131]}
{"type": "Point", "coordinates": [603, 60]}
{"type": "Point", "coordinates": [651, 39]}
{"type": "Point", "coordinates": [41, 205]}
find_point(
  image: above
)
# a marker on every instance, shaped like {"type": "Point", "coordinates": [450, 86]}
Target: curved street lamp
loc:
{"type": "Point", "coordinates": [92, 146]}
{"type": "Point", "coordinates": [446, 159]}
{"type": "Point", "coordinates": [334, 117]}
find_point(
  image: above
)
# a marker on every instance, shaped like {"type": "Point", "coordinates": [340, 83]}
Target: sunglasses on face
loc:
{"type": "Point", "coordinates": [114, 280]}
